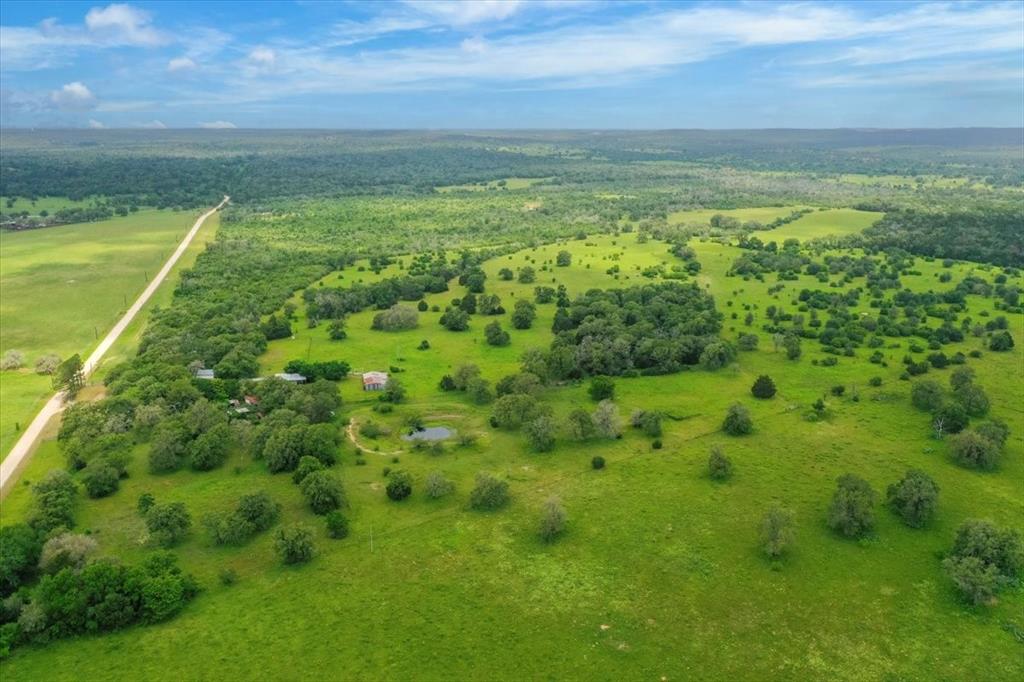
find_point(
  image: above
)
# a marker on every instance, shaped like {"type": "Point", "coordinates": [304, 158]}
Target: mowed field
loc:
{"type": "Point", "coordinates": [834, 222]}
{"type": "Point", "coordinates": [64, 287]}
{"type": "Point", "coordinates": [658, 575]}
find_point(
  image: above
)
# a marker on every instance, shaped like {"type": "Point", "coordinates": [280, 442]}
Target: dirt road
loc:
{"type": "Point", "coordinates": [18, 457]}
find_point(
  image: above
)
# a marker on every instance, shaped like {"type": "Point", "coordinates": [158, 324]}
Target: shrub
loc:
{"type": "Point", "coordinates": [540, 433]}
{"type": "Point", "coordinates": [914, 498]}
{"type": "Point", "coordinates": [53, 502]}
{"type": "Point", "coordinates": [101, 478]}
{"type": "Point", "coordinates": [984, 559]}
{"type": "Point", "coordinates": [719, 465]}
{"type": "Point", "coordinates": [950, 418]}
{"type": "Point", "coordinates": [552, 519]}
{"type": "Point", "coordinates": [455, 320]}
{"type": "Point", "coordinates": [20, 546]}
{"type": "Point", "coordinates": [601, 388]}
{"type": "Point", "coordinates": [294, 544]}
{"type": "Point", "coordinates": [168, 523]}
{"type": "Point", "coordinates": [747, 342]}
{"type": "Point", "coordinates": [437, 485]}
{"type": "Point", "coordinates": [396, 318]}
{"type": "Point", "coordinates": [48, 364]}
{"type": "Point", "coordinates": [852, 509]}
{"type": "Point", "coordinates": [763, 387]}
{"type": "Point", "coordinates": [737, 421]}
{"type": "Point", "coordinates": [309, 464]}
{"type": "Point", "coordinates": [399, 485]}
{"type": "Point", "coordinates": [776, 531]}
{"type": "Point", "coordinates": [323, 492]}
{"type": "Point", "coordinates": [926, 395]}
{"type": "Point", "coordinates": [489, 493]}
{"type": "Point", "coordinates": [974, 450]}
{"type": "Point", "coordinates": [875, 381]}
{"type": "Point", "coordinates": [973, 399]}
{"type": "Point", "coordinates": [597, 462]}
{"type": "Point", "coordinates": [495, 335]}
{"type": "Point", "coordinates": [67, 550]}
{"type": "Point", "coordinates": [337, 525]}
{"type": "Point", "coordinates": [523, 314]}
{"type": "Point", "coordinates": [717, 354]}
{"type": "Point", "coordinates": [12, 359]}
{"type": "Point", "coordinates": [145, 503]}
{"type": "Point", "coordinates": [1001, 341]}
{"type": "Point", "coordinates": [228, 577]}
{"type": "Point", "coordinates": [607, 420]}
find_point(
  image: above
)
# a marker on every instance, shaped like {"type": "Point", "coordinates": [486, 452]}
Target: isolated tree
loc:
{"type": "Point", "coordinates": [563, 259]}
{"type": "Point", "coordinates": [463, 374]}
{"type": "Point", "coordinates": [719, 465]}
{"type": "Point", "coordinates": [552, 519]}
{"type": "Point", "coordinates": [984, 559]}
{"type": "Point", "coordinates": [972, 449]}
{"type": "Point", "coordinates": [747, 342]}
{"type": "Point", "coordinates": [513, 410]}
{"type": "Point", "coordinates": [717, 354]}
{"type": "Point", "coordinates": [973, 399]}
{"type": "Point", "coordinates": [763, 387]}
{"type": "Point", "coordinates": [540, 433]}
{"type": "Point", "coordinates": [307, 465]}
{"type": "Point", "coordinates": [791, 343]}
{"type": "Point", "coordinates": [394, 391]}
{"type": "Point", "coordinates": [607, 420]}
{"type": "Point", "coordinates": [67, 550]}
{"type": "Point", "coordinates": [47, 364]}
{"type": "Point", "coordinates": [455, 320]}
{"type": "Point", "coordinates": [1001, 341]}
{"type": "Point", "coordinates": [737, 421]}
{"type": "Point", "coordinates": [168, 523]}
{"type": "Point", "coordinates": [580, 424]}
{"type": "Point", "coordinates": [479, 391]}
{"type": "Point", "coordinates": [961, 377]}
{"type": "Point", "coordinates": [926, 395]}
{"type": "Point", "coordinates": [489, 493]}
{"type": "Point", "coordinates": [294, 544]}
{"type": "Point", "coordinates": [527, 275]}
{"type": "Point", "coordinates": [852, 510]}
{"type": "Point", "coordinates": [495, 335]}
{"type": "Point", "coordinates": [12, 359]}
{"type": "Point", "coordinates": [336, 330]}
{"type": "Point", "coordinates": [776, 531]}
{"type": "Point", "coordinates": [950, 418]}
{"type": "Point", "coordinates": [337, 525]}
{"type": "Point", "coordinates": [914, 498]}
{"type": "Point", "coordinates": [523, 314]}
{"type": "Point", "coordinates": [601, 388]}
{"type": "Point", "coordinates": [323, 492]}
{"type": "Point", "coordinates": [69, 376]}
{"type": "Point", "coordinates": [437, 485]}
{"type": "Point", "coordinates": [101, 478]}
{"type": "Point", "coordinates": [506, 274]}
{"type": "Point", "coordinates": [399, 485]}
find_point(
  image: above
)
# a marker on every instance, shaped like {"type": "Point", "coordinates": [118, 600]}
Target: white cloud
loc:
{"type": "Point", "coordinates": [73, 97]}
{"type": "Point", "coordinates": [123, 24]}
{"type": "Point", "coordinates": [96, 125]}
{"type": "Point", "coordinates": [467, 12]}
{"type": "Point", "coordinates": [217, 125]}
{"type": "Point", "coordinates": [181, 64]}
{"type": "Point", "coordinates": [263, 56]}
{"type": "Point", "coordinates": [152, 125]}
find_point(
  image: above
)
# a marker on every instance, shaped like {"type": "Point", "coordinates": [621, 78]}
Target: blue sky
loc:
{"type": "Point", "coordinates": [511, 63]}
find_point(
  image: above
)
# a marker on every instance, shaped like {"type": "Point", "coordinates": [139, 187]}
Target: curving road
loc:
{"type": "Point", "coordinates": [18, 457]}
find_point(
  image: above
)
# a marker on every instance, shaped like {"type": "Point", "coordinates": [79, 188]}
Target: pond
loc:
{"type": "Point", "coordinates": [430, 434]}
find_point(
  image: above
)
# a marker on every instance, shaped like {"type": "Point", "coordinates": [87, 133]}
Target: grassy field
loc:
{"type": "Point", "coordinates": [834, 222]}
{"type": "Point", "coordinates": [504, 183]}
{"type": "Point", "coordinates": [658, 575]}
{"type": "Point", "coordinates": [764, 214]}
{"type": "Point", "coordinates": [50, 204]}
{"type": "Point", "coordinates": [63, 287]}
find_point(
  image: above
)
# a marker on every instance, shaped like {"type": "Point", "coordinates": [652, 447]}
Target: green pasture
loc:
{"type": "Point", "coordinates": [503, 183]}
{"type": "Point", "coordinates": [64, 287]}
{"type": "Point", "coordinates": [763, 214]}
{"type": "Point", "coordinates": [833, 222]}
{"type": "Point", "coordinates": [50, 204]}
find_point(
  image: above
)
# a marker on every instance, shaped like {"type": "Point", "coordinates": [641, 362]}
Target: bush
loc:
{"type": "Point", "coordinates": [48, 364]}
{"type": "Point", "coordinates": [875, 381]}
{"type": "Point", "coordinates": [984, 559]}
{"type": "Point", "coordinates": [926, 395]}
{"type": "Point", "coordinates": [495, 335]}
{"type": "Point", "coordinates": [601, 388]}
{"type": "Point", "coordinates": [597, 462]}
{"type": "Point", "coordinates": [717, 354]}
{"type": "Point", "coordinates": [852, 509]}
{"type": "Point", "coordinates": [399, 485]}
{"type": "Point", "coordinates": [540, 433]}
{"type": "Point", "coordinates": [737, 421]}
{"type": "Point", "coordinates": [950, 418]}
{"type": "Point", "coordinates": [145, 503]}
{"type": "Point", "coordinates": [607, 420]}
{"type": "Point", "coordinates": [323, 492]}
{"type": "Point", "coordinates": [763, 387]}
{"type": "Point", "coordinates": [1001, 341]}
{"type": "Point", "coordinates": [308, 464]}
{"type": "Point", "coordinates": [479, 391]}
{"type": "Point", "coordinates": [719, 465]}
{"type": "Point", "coordinates": [396, 318]}
{"type": "Point", "coordinates": [337, 525]}
{"type": "Point", "coordinates": [747, 342]}
{"type": "Point", "coordinates": [294, 544]}
{"type": "Point", "coordinates": [12, 359]}
{"type": "Point", "coordinates": [20, 546]}
{"type": "Point", "coordinates": [437, 485]}
{"type": "Point", "coordinates": [228, 577]}
{"type": "Point", "coordinates": [914, 498]}
{"type": "Point", "coordinates": [101, 478]}
{"type": "Point", "coordinates": [489, 493]}
{"type": "Point", "coordinates": [972, 449]}
{"type": "Point", "coordinates": [973, 399]}
{"type": "Point", "coordinates": [776, 531]}
{"type": "Point", "coordinates": [53, 502]}
{"type": "Point", "coordinates": [455, 320]}
{"type": "Point", "coordinates": [168, 523]}
{"type": "Point", "coordinates": [67, 550]}
{"type": "Point", "coordinates": [552, 519]}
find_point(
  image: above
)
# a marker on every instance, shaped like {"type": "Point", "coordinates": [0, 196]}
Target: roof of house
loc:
{"type": "Point", "coordinates": [204, 374]}
{"type": "Point", "coordinates": [290, 376]}
{"type": "Point", "coordinates": [374, 378]}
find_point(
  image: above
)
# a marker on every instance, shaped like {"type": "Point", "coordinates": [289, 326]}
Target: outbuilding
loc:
{"type": "Point", "coordinates": [374, 381]}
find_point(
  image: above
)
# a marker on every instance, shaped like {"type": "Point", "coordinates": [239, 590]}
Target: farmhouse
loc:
{"type": "Point", "coordinates": [374, 381]}
{"type": "Point", "coordinates": [204, 374]}
{"type": "Point", "coordinates": [292, 377]}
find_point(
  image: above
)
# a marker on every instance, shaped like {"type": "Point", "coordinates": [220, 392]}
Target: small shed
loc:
{"type": "Point", "coordinates": [374, 381]}
{"type": "Point", "coordinates": [292, 377]}
{"type": "Point", "coordinates": [204, 374]}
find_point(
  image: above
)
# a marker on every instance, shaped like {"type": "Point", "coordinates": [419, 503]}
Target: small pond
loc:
{"type": "Point", "coordinates": [430, 434]}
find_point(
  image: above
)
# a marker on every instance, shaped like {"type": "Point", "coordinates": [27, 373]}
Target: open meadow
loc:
{"type": "Point", "coordinates": [64, 306]}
